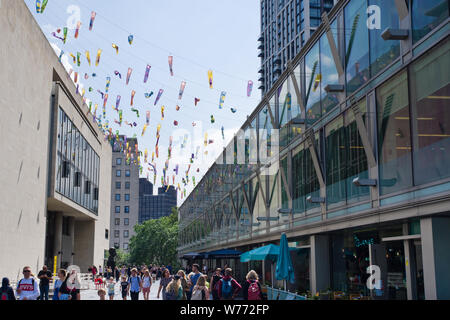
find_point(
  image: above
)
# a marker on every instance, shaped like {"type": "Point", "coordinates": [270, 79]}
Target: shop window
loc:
{"type": "Point", "coordinates": [394, 138]}
{"type": "Point", "coordinates": [430, 94]}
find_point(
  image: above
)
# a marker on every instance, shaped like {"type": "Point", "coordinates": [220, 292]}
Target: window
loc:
{"type": "Point", "coordinates": [126, 222]}
{"type": "Point", "coordinates": [427, 15]}
{"type": "Point", "coordinates": [127, 185]}
{"type": "Point", "coordinates": [125, 246]}
{"type": "Point", "coordinates": [357, 45]}
{"type": "Point", "coordinates": [118, 185]}
{"type": "Point", "coordinates": [117, 222]}
{"type": "Point", "coordinates": [127, 209]}
{"type": "Point", "coordinates": [394, 136]}
{"type": "Point", "coordinates": [117, 245]}
{"type": "Point", "coordinates": [118, 173]}
{"type": "Point", "coordinates": [106, 234]}
{"type": "Point", "coordinates": [383, 52]}
{"type": "Point", "coordinates": [116, 233]}
{"type": "Point", "coordinates": [127, 197]}
{"type": "Point", "coordinates": [430, 93]}
{"type": "Point", "coordinates": [328, 72]}
{"type": "Point", "coordinates": [126, 233]}
{"type": "Point", "coordinates": [118, 161]}
{"type": "Point", "coordinates": [117, 196]}
{"type": "Point", "coordinates": [313, 78]}
{"type": "Point", "coordinates": [117, 209]}
{"type": "Point", "coordinates": [127, 173]}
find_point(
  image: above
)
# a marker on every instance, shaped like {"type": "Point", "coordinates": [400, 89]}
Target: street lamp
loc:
{"type": "Point", "coordinates": [364, 182]}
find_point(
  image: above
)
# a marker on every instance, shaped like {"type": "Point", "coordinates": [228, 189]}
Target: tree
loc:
{"type": "Point", "coordinates": [155, 241]}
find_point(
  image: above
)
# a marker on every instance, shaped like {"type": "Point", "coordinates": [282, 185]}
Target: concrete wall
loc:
{"type": "Point", "coordinates": [28, 67]}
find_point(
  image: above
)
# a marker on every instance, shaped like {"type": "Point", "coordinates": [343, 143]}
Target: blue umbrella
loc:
{"type": "Point", "coordinates": [284, 270]}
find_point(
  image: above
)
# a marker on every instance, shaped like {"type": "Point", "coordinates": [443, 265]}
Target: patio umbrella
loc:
{"type": "Point", "coordinates": [284, 270]}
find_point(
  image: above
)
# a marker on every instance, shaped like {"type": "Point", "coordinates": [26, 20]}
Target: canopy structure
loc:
{"type": "Point", "coordinates": [193, 255]}
{"type": "Point", "coordinates": [269, 252]}
{"type": "Point", "coordinates": [223, 254]}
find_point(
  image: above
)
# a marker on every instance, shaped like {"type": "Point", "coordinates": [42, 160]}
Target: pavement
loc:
{"type": "Point", "coordinates": [91, 293]}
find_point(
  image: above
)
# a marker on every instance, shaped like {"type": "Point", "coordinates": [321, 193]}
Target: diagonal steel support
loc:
{"type": "Point", "coordinates": [263, 195]}
{"type": "Point", "coordinates": [363, 134]}
{"type": "Point", "coordinates": [312, 149]}
{"type": "Point", "coordinates": [285, 183]}
{"type": "Point", "coordinates": [272, 118]}
{"type": "Point", "coordinates": [402, 9]}
{"type": "Point", "coordinates": [296, 87]}
{"type": "Point", "coordinates": [246, 199]}
{"type": "Point", "coordinates": [333, 47]}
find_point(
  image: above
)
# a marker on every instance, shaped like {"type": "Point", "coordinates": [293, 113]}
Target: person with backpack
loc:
{"type": "Point", "coordinates": [174, 290]}
{"type": "Point", "coordinates": [6, 292]}
{"type": "Point", "coordinates": [215, 279]}
{"type": "Point", "coordinates": [251, 287]}
{"type": "Point", "coordinates": [134, 285]}
{"type": "Point", "coordinates": [200, 291]}
{"type": "Point", "coordinates": [27, 288]}
{"type": "Point", "coordinates": [193, 278]}
{"type": "Point", "coordinates": [58, 283]}
{"type": "Point", "coordinates": [228, 287]}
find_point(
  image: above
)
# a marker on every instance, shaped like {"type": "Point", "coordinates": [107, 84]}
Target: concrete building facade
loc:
{"type": "Point", "coordinates": [155, 206]}
{"type": "Point", "coordinates": [56, 171]}
{"type": "Point", "coordinates": [124, 192]}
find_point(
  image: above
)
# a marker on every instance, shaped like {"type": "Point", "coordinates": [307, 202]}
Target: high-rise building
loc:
{"type": "Point", "coordinates": [155, 206]}
{"type": "Point", "coordinates": [55, 169]}
{"type": "Point", "coordinates": [286, 25]}
{"type": "Point", "coordinates": [124, 192]}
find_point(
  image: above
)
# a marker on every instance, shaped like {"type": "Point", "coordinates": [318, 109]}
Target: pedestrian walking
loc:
{"type": "Point", "coordinates": [27, 288]}
{"type": "Point", "coordinates": [100, 271]}
{"type": "Point", "coordinates": [117, 274]}
{"type": "Point", "coordinates": [134, 285]}
{"type": "Point", "coordinates": [124, 287]}
{"type": "Point", "coordinates": [193, 277]}
{"type": "Point", "coordinates": [184, 284]}
{"type": "Point", "coordinates": [215, 280]}
{"type": "Point", "coordinates": [228, 288]}
{"type": "Point", "coordinates": [174, 290]}
{"type": "Point", "coordinates": [70, 288]}
{"type": "Point", "coordinates": [165, 280]}
{"type": "Point", "coordinates": [44, 277]}
{"type": "Point", "coordinates": [251, 287]}
{"type": "Point", "coordinates": [111, 286]}
{"type": "Point", "coordinates": [146, 284]}
{"type": "Point", "coordinates": [200, 290]}
{"type": "Point", "coordinates": [102, 293]}
{"type": "Point", "coordinates": [58, 283]}
{"type": "Point", "coordinates": [6, 292]}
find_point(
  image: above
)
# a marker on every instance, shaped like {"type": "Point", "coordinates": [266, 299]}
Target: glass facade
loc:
{"type": "Point", "coordinates": [77, 165]}
{"type": "Point", "coordinates": [426, 15]}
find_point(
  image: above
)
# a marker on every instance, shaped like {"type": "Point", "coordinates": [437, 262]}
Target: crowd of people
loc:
{"type": "Point", "coordinates": [186, 284]}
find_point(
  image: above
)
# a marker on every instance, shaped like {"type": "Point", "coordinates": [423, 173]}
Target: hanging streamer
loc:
{"type": "Point", "coordinates": [65, 30]}
{"type": "Point", "coordinates": [132, 97]}
{"type": "Point", "coordinates": [118, 102]}
{"type": "Point", "coordinates": [143, 129]}
{"type": "Point", "coordinates": [233, 110]}
{"type": "Point", "coordinates": [77, 30]}
{"type": "Point", "coordinates": [147, 118]}
{"type": "Point", "coordinates": [196, 101]}
{"type": "Point", "coordinates": [182, 87]}
{"type": "Point", "coordinates": [175, 123]}
{"type": "Point", "coordinates": [210, 79]}
{"type": "Point", "coordinates": [108, 83]}
{"type": "Point", "coordinates": [171, 65]}
{"type": "Point", "coordinates": [130, 39]}
{"type": "Point", "coordinates": [91, 23]}
{"type": "Point", "coordinates": [147, 72]}
{"type": "Point", "coordinates": [130, 70]}
{"type": "Point", "coordinates": [105, 100]}
{"type": "Point", "coordinates": [117, 73]}
{"type": "Point", "coordinates": [161, 91]}
{"type": "Point", "coordinates": [97, 61]}
{"type": "Point", "coordinates": [135, 110]}
{"type": "Point", "coordinates": [148, 95]}
{"type": "Point", "coordinates": [212, 119]}
{"type": "Point", "coordinates": [88, 57]}
{"type": "Point", "coordinates": [177, 108]}
{"type": "Point", "coordinates": [162, 113]}
{"type": "Point", "coordinates": [223, 133]}
{"type": "Point", "coordinates": [222, 99]}
{"type": "Point", "coordinates": [249, 88]}
{"type": "Point", "coordinates": [115, 46]}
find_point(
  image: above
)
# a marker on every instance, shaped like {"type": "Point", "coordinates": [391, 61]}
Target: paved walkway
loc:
{"type": "Point", "coordinates": [91, 294]}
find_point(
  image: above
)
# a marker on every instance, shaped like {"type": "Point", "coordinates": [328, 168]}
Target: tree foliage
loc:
{"type": "Point", "coordinates": [155, 241]}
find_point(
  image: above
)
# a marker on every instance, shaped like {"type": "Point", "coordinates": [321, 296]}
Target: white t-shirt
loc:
{"type": "Point", "coordinates": [29, 289]}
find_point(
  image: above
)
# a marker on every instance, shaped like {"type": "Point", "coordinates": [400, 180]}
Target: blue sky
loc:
{"type": "Point", "coordinates": [200, 34]}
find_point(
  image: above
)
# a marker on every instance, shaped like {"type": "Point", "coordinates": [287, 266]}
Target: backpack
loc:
{"type": "Point", "coordinates": [227, 289]}
{"type": "Point", "coordinates": [170, 295]}
{"type": "Point", "coordinates": [254, 293]}
{"type": "Point", "coordinates": [198, 295]}
{"type": "Point", "coordinates": [4, 295]}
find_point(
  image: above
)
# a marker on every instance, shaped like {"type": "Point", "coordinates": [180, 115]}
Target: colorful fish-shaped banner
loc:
{"type": "Point", "coordinates": [317, 82]}
{"type": "Point", "coordinates": [177, 108]}
{"type": "Point", "coordinates": [130, 70]}
{"type": "Point", "coordinates": [57, 37]}
{"type": "Point", "coordinates": [115, 46]}
{"type": "Point", "coordinates": [44, 5]}
{"type": "Point", "coordinates": [171, 65]}
{"type": "Point", "coordinates": [161, 91]}
{"type": "Point", "coordinates": [148, 95]}
{"type": "Point", "coordinates": [233, 110]}
{"type": "Point", "coordinates": [117, 73]}
{"type": "Point", "coordinates": [196, 101]}
{"type": "Point", "coordinates": [212, 119]}
{"type": "Point", "coordinates": [108, 83]}
{"type": "Point", "coordinates": [132, 97]}
{"type": "Point", "coordinates": [97, 61]}
{"type": "Point", "coordinates": [210, 79]}
{"type": "Point", "coordinates": [78, 59]}
{"type": "Point", "coordinates": [162, 112]}
{"type": "Point", "coordinates": [130, 39]}
{"type": "Point", "coordinates": [65, 30]}
{"type": "Point", "coordinates": [182, 87]}
{"type": "Point", "coordinates": [38, 6]}
{"type": "Point", "coordinates": [143, 129]}
{"type": "Point", "coordinates": [147, 72]}
{"type": "Point", "coordinates": [91, 23]}
{"type": "Point", "coordinates": [147, 118]}
{"type": "Point", "coordinates": [136, 111]}
{"type": "Point", "coordinates": [77, 30]}
{"type": "Point", "coordinates": [105, 100]}
{"type": "Point", "coordinates": [118, 102]}
{"type": "Point", "coordinates": [222, 99]}
{"type": "Point", "coordinates": [175, 123]}
{"type": "Point", "coordinates": [249, 88]}
{"type": "Point", "coordinates": [88, 57]}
